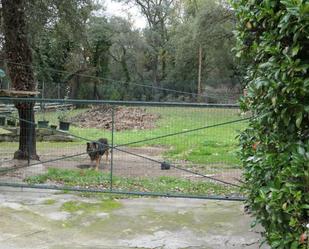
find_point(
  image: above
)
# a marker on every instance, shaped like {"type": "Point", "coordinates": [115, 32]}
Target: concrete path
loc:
{"type": "Point", "coordinates": [38, 219]}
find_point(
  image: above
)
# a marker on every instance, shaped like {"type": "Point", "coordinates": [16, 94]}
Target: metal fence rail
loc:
{"type": "Point", "coordinates": [157, 149]}
{"type": "Point", "coordinates": [37, 107]}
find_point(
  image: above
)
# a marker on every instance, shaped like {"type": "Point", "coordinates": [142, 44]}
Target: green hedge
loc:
{"type": "Point", "coordinates": [272, 38]}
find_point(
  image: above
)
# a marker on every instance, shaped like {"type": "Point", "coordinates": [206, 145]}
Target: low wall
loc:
{"type": "Point", "coordinates": [42, 134]}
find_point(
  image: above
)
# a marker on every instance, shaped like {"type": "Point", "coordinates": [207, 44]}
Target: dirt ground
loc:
{"type": "Point", "coordinates": [124, 164]}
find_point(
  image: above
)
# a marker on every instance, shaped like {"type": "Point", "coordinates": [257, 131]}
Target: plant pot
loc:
{"type": "Point", "coordinates": [2, 121]}
{"type": "Point", "coordinates": [64, 126]}
{"type": "Point", "coordinates": [43, 124]}
{"type": "Point", "coordinates": [11, 122]}
{"type": "Point", "coordinates": [54, 127]}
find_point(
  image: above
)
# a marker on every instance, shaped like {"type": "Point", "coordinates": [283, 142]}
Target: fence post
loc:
{"type": "Point", "coordinates": [112, 148]}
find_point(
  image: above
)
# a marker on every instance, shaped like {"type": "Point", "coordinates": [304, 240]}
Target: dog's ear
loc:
{"type": "Point", "coordinates": [88, 145]}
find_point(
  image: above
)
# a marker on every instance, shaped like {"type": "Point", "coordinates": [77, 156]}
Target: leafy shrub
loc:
{"type": "Point", "coordinates": [272, 37]}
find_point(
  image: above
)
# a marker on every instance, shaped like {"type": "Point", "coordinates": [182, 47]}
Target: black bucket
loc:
{"type": "Point", "coordinates": [2, 121]}
{"type": "Point", "coordinates": [165, 166]}
{"type": "Point", "coordinates": [64, 126]}
{"type": "Point", "coordinates": [11, 122]}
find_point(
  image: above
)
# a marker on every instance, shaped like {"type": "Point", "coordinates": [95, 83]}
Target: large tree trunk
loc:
{"type": "Point", "coordinates": [27, 138]}
{"type": "Point", "coordinates": [19, 58]}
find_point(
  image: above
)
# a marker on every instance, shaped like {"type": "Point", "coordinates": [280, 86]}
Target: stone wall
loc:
{"type": "Point", "coordinates": [42, 134]}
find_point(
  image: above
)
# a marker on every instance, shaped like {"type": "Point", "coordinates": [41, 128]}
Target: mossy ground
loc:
{"type": "Point", "coordinates": [49, 202]}
{"type": "Point", "coordinates": [101, 206]}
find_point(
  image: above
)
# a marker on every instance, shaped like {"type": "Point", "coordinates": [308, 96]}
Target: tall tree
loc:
{"type": "Point", "coordinates": [211, 26]}
{"type": "Point", "coordinates": [99, 44]}
{"type": "Point", "coordinates": [192, 8]}
{"type": "Point", "coordinates": [19, 55]}
{"type": "Point", "coordinates": [157, 14]}
{"type": "Point", "coordinates": [58, 36]}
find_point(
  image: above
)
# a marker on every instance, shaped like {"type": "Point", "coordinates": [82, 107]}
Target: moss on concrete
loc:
{"type": "Point", "coordinates": [49, 202]}
{"type": "Point", "coordinates": [103, 206]}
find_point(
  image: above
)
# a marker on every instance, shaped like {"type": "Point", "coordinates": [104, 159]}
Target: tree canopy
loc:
{"type": "Point", "coordinates": [80, 52]}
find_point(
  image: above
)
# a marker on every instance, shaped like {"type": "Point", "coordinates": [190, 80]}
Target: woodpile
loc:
{"type": "Point", "coordinates": [125, 118]}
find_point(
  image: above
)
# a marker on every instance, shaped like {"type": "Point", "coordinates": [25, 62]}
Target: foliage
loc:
{"type": "Point", "coordinates": [208, 25]}
{"type": "Point", "coordinates": [75, 45]}
{"type": "Point", "coordinates": [62, 114]}
{"type": "Point", "coordinates": [272, 36]}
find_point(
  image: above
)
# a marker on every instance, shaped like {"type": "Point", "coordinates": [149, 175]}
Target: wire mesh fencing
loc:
{"type": "Point", "coordinates": [167, 149]}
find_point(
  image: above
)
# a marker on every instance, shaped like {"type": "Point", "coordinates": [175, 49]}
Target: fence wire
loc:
{"type": "Point", "coordinates": [169, 149]}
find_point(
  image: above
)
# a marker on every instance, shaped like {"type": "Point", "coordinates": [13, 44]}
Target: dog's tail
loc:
{"type": "Point", "coordinates": [103, 141]}
{"type": "Point", "coordinates": [103, 145]}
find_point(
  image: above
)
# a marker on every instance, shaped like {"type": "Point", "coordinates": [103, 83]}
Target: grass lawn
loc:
{"type": "Point", "coordinates": [204, 146]}
{"type": "Point", "coordinates": [165, 184]}
{"type": "Point", "coordinates": [215, 145]}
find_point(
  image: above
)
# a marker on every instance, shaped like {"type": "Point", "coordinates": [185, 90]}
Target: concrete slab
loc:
{"type": "Point", "coordinates": [38, 219]}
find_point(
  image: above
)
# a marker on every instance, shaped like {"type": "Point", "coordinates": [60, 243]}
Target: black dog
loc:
{"type": "Point", "coordinates": [97, 149]}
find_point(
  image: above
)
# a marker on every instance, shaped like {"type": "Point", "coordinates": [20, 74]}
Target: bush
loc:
{"type": "Point", "coordinates": [272, 37]}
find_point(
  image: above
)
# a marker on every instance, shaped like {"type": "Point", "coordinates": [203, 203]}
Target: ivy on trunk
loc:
{"type": "Point", "coordinates": [19, 55]}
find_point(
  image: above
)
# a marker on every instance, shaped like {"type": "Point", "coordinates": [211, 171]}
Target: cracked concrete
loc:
{"type": "Point", "coordinates": [37, 220]}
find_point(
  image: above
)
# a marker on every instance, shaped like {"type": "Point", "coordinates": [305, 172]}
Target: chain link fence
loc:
{"type": "Point", "coordinates": [158, 149]}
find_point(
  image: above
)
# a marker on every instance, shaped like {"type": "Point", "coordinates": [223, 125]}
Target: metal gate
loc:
{"type": "Point", "coordinates": [156, 149]}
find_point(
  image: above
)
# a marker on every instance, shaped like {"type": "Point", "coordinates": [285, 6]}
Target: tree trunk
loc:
{"type": "Point", "coordinates": [156, 82]}
{"type": "Point", "coordinates": [125, 70]}
{"type": "Point", "coordinates": [95, 94]}
{"type": "Point", "coordinates": [163, 61]}
{"type": "Point", "coordinates": [19, 58]}
{"type": "Point", "coordinates": [75, 85]}
{"type": "Point", "coordinates": [125, 91]}
{"type": "Point", "coordinates": [27, 141]}
{"type": "Point", "coordinates": [200, 60]}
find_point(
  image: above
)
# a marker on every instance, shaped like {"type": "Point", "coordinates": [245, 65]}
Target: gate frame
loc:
{"type": "Point", "coordinates": [113, 104]}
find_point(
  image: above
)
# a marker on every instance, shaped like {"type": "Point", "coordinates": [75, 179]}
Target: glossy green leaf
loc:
{"type": "Point", "coordinates": [299, 119]}
{"type": "Point", "coordinates": [277, 183]}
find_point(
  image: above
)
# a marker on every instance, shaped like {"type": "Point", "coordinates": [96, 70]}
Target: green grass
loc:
{"type": "Point", "coordinates": [165, 184]}
{"type": "Point", "coordinates": [70, 177]}
{"type": "Point", "coordinates": [216, 145]}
